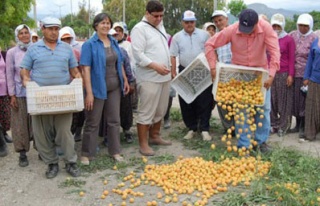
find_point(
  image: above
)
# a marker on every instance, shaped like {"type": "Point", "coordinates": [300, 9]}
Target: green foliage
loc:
{"type": "Point", "coordinates": [236, 6]}
{"type": "Point", "coordinates": [12, 14]}
{"type": "Point", "coordinates": [72, 182]}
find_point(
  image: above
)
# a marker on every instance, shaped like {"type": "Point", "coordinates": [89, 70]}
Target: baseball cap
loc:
{"type": "Point", "coordinates": [118, 24]}
{"type": "Point", "coordinates": [219, 13]}
{"type": "Point", "coordinates": [247, 20]}
{"type": "Point", "coordinates": [50, 22]}
{"type": "Point", "coordinates": [66, 35]}
{"type": "Point", "coordinates": [189, 16]}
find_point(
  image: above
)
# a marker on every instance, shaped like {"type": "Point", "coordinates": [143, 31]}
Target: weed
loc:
{"type": "Point", "coordinates": [166, 158]}
{"type": "Point", "coordinates": [72, 182]}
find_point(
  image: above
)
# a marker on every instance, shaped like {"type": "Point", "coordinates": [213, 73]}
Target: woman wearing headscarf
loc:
{"type": "Point", "coordinates": [282, 90]}
{"type": "Point", "coordinates": [20, 120]}
{"type": "Point", "coordinates": [312, 80]}
{"type": "Point", "coordinates": [303, 38]}
{"type": "Point", "coordinates": [210, 28]}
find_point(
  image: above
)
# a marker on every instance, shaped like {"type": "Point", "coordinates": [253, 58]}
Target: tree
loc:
{"type": "Point", "coordinates": [236, 6]}
{"type": "Point", "coordinates": [80, 22]}
{"type": "Point", "coordinates": [13, 14]}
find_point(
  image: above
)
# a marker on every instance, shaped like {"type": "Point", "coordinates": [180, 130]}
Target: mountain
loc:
{"type": "Point", "coordinates": [263, 9]}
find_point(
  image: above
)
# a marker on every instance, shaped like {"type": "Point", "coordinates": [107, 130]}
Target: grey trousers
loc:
{"type": "Point", "coordinates": [54, 130]}
{"type": "Point", "coordinates": [111, 113]}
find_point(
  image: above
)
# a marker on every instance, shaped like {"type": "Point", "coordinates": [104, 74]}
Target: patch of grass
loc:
{"type": "Point", "coordinates": [101, 162]}
{"type": "Point", "coordinates": [293, 179]}
{"type": "Point", "coordinates": [175, 114]}
{"type": "Point", "coordinates": [162, 159]}
{"type": "Point", "coordinates": [72, 182]}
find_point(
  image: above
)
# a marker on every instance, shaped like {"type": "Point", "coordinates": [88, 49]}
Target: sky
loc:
{"type": "Point", "coordinates": [54, 7]}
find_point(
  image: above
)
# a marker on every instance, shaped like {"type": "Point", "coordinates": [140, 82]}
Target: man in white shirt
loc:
{"type": "Point", "coordinates": [152, 57]}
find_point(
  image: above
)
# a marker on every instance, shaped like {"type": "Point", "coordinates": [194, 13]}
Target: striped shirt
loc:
{"type": "Point", "coordinates": [47, 66]}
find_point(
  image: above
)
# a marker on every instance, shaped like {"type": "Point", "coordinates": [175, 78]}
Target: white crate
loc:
{"type": "Point", "coordinates": [194, 79]}
{"type": "Point", "coordinates": [55, 99]}
{"type": "Point", "coordinates": [225, 72]}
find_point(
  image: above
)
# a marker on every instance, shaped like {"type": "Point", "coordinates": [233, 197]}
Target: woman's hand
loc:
{"type": "Point", "coordinates": [14, 103]}
{"type": "Point", "coordinates": [126, 87]}
{"type": "Point", "coordinates": [89, 102]}
{"type": "Point", "coordinates": [289, 81]}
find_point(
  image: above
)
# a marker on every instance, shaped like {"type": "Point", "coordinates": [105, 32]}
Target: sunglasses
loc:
{"type": "Point", "coordinates": [157, 16]}
{"type": "Point", "coordinates": [189, 22]}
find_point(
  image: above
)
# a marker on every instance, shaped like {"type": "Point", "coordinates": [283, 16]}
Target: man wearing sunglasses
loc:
{"type": "Point", "coordinates": [151, 54]}
{"type": "Point", "coordinates": [187, 44]}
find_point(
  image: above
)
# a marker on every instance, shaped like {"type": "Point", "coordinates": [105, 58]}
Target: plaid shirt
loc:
{"type": "Point", "coordinates": [224, 54]}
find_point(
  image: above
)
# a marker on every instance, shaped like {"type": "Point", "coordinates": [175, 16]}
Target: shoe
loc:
{"type": "Point", "coordinates": [281, 133]}
{"type": "Point", "coordinates": [23, 161]}
{"type": "Point", "coordinates": [52, 171]}
{"type": "Point", "coordinates": [206, 136]}
{"type": "Point", "coordinates": [7, 138]}
{"type": "Point", "coordinates": [167, 124]}
{"type": "Point", "coordinates": [73, 169]}
{"type": "Point", "coordinates": [128, 137]}
{"type": "Point", "coordinates": [84, 160]}
{"type": "Point", "coordinates": [118, 158]}
{"type": "Point", "coordinates": [265, 148]}
{"type": "Point", "coordinates": [147, 153]}
{"type": "Point", "coordinates": [189, 135]}
{"type": "Point", "coordinates": [302, 140]}
{"type": "Point", "coordinates": [105, 142]}
{"type": "Point", "coordinates": [294, 130]}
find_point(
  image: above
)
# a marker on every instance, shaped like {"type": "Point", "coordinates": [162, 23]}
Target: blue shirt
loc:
{"type": "Point", "coordinates": [47, 66]}
{"type": "Point", "coordinates": [93, 55]}
{"type": "Point", "coordinates": [312, 71]}
{"type": "Point", "coordinates": [188, 47]}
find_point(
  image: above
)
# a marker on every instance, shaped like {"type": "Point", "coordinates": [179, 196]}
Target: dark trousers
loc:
{"type": "Point", "coordinates": [126, 115]}
{"type": "Point", "coordinates": [198, 111]}
{"type": "Point", "coordinates": [167, 115]}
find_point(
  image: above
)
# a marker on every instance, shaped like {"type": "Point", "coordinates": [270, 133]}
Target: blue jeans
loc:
{"type": "Point", "coordinates": [262, 133]}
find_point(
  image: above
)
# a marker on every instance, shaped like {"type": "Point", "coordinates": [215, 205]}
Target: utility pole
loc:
{"type": "Point", "coordinates": [60, 8]}
{"type": "Point", "coordinates": [124, 11]}
{"type": "Point", "coordinates": [89, 20]}
{"type": "Point", "coordinates": [215, 5]}
{"type": "Point", "coordinates": [71, 11]}
{"type": "Point", "coordinates": [35, 13]}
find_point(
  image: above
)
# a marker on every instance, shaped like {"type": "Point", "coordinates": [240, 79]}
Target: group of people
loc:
{"type": "Point", "coordinates": [113, 69]}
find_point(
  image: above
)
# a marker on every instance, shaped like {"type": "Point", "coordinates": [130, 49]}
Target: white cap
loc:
{"type": "Point", "coordinates": [189, 16]}
{"type": "Point", "coordinates": [118, 24]}
{"type": "Point", "coordinates": [112, 32]}
{"type": "Point", "coordinates": [50, 22]}
{"type": "Point", "coordinates": [278, 19]}
{"type": "Point", "coordinates": [219, 13]}
{"type": "Point", "coordinates": [206, 25]}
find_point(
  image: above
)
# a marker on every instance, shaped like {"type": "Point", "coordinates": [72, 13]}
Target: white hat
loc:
{"type": "Point", "coordinates": [118, 24]}
{"type": "Point", "coordinates": [278, 19]}
{"type": "Point", "coordinates": [219, 13]}
{"type": "Point", "coordinates": [50, 22]}
{"type": "Point", "coordinates": [206, 25]}
{"type": "Point", "coordinates": [112, 32]}
{"type": "Point", "coordinates": [189, 16]}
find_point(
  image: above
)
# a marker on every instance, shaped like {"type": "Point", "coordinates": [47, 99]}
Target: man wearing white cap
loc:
{"type": "Point", "coordinates": [51, 62]}
{"type": "Point", "coordinates": [187, 44]}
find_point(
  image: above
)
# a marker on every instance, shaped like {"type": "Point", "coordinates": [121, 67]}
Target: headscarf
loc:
{"type": "Point", "coordinates": [279, 19]}
{"type": "Point", "coordinates": [305, 19]}
{"type": "Point", "coordinates": [22, 45]}
{"type": "Point", "coordinates": [70, 31]}
{"type": "Point", "coordinates": [206, 25]}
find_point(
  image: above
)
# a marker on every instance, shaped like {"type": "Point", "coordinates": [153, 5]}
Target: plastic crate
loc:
{"type": "Point", "coordinates": [55, 99]}
{"type": "Point", "coordinates": [226, 72]}
{"type": "Point", "coordinates": [194, 79]}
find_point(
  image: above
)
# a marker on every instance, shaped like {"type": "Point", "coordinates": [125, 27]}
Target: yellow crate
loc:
{"type": "Point", "coordinates": [226, 72]}
{"type": "Point", "coordinates": [55, 99]}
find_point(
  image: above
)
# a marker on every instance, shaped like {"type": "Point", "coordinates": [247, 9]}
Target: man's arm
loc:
{"type": "Point", "coordinates": [74, 72]}
{"type": "Point", "coordinates": [173, 67]}
{"type": "Point", "coordinates": [25, 76]}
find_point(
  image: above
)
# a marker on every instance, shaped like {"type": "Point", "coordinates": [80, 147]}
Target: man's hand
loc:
{"type": "Point", "coordinates": [289, 81]}
{"type": "Point", "coordinates": [25, 81]}
{"type": "Point", "coordinates": [173, 74]}
{"type": "Point", "coordinates": [268, 82]}
{"type": "Point", "coordinates": [160, 68]}
{"type": "Point", "coordinates": [213, 73]}
{"type": "Point", "coordinates": [305, 82]}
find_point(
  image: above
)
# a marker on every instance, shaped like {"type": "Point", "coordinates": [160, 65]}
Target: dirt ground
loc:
{"type": "Point", "coordinates": [28, 186]}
